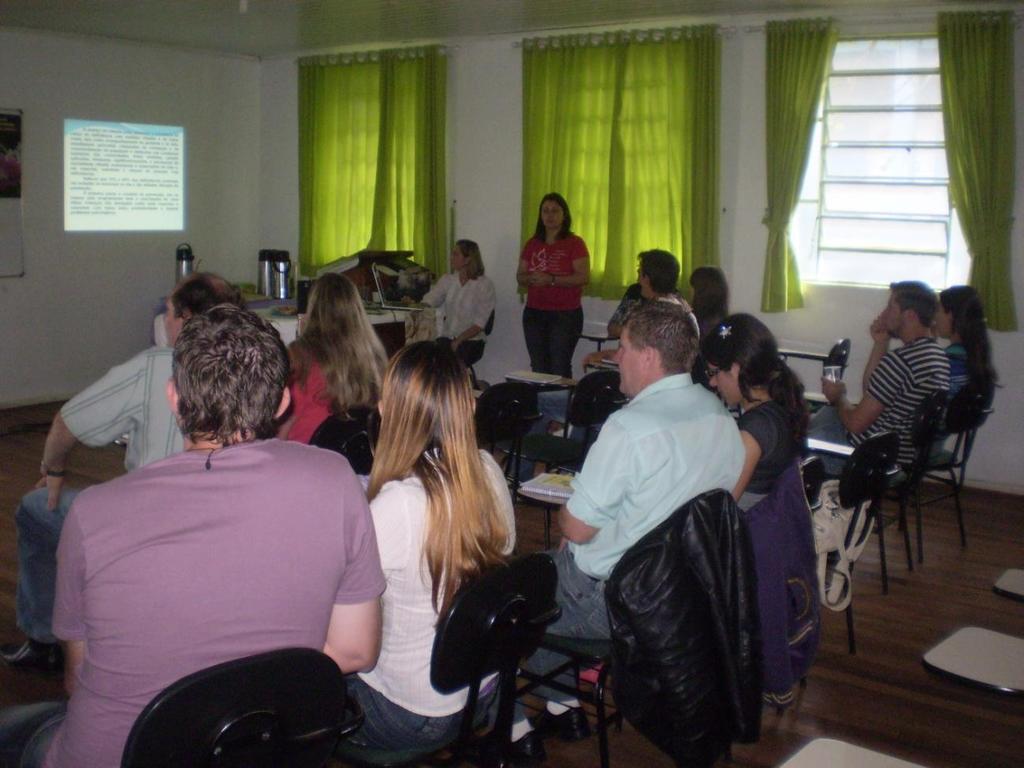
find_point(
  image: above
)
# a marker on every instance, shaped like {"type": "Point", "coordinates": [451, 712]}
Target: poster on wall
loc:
{"type": "Point", "coordinates": [11, 259]}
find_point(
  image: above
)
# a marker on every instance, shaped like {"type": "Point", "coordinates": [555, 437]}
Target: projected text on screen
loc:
{"type": "Point", "coordinates": [123, 176]}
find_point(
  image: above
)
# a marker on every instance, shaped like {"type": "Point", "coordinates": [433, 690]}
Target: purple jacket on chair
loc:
{"type": "Point", "coordinates": [787, 585]}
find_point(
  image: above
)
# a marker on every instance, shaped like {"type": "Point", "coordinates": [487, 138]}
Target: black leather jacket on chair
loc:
{"type": "Point", "coordinates": [686, 648]}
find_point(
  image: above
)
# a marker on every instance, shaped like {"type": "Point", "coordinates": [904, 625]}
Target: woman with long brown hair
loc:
{"type": "Point", "coordinates": [337, 361]}
{"type": "Point", "coordinates": [443, 516]}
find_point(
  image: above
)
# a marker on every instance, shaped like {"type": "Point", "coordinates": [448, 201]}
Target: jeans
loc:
{"type": "Point", "coordinates": [551, 337]}
{"type": "Point", "coordinates": [38, 534]}
{"type": "Point", "coordinates": [584, 614]}
{"type": "Point", "coordinates": [389, 726]}
{"type": "Point", "coordinates": [825, 425]}
{"type": "Point", "coordinates": [26, 732]}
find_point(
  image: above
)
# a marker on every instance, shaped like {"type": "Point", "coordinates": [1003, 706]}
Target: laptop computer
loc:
{"type": "Point", "coordinates": [391, 289]}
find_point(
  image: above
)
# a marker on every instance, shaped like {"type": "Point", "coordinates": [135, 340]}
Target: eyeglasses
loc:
{"type": "Point", "coordinates": [712, 370]}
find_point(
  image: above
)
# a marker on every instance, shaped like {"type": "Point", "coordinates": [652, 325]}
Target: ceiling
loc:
{"type": "Point", "coordinates": [273, 27]}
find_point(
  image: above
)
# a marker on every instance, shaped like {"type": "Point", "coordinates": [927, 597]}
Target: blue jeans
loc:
{"type": "Point", "coordinates": [26, 732]}
{"type": "Point", "coordinates": [825, 425]}
{"type": "Point", "coordinates": [392, 727]}
{"type": "Point", "coordinates": [551, 337]}
{"type": "Point", "coordinates": [38, 535]}
{"type": "Point", "coordinates": [584, 614]}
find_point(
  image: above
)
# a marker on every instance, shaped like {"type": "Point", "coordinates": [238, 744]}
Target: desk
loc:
{"type": "Point", "coordinates": [1011, 584]}
{"type": "Point", "coordinates": [833, 752]}
{"type": "Point", "coordinates": [598, 337]}
{"type": "Point", "coordinates": [389, 325]}
{"type": "Point", "coordinates": [980, 657]}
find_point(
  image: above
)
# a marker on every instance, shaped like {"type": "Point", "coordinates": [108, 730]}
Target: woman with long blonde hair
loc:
{"type": "Point", "coordinates": [443, 516]}
{"type": "Point", "coordinates": [337, 361]}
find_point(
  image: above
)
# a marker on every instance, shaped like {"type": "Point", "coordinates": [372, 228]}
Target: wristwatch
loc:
{"type": "Point", "coordinates": [45, 470]}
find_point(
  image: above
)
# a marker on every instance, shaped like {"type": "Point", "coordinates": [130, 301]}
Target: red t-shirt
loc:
{"type": "Point", "coordinates": [556, 259]}
{"type": "Point", "coordinates": [310, 404]}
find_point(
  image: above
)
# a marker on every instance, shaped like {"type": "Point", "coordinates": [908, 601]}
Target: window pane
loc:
{"type": "Point", "coordinates": [801, 236]}
{"type": "Point", "coordinates": [884, 90]}
{"type": "Point", "coordinates": [886, 199]}
{"type": "Point", "coordinates": [887, 162]}
{"type": "Point", "coordinates": [885, 234]}
{"type": "Point", "coordinates": [872, 55]}
{"type": "Point", "coordinates": [849, 267]}
{"type": "Point", "coordinates": [812, 176]}
{"type": "Point", "coordinates": [886, 127]}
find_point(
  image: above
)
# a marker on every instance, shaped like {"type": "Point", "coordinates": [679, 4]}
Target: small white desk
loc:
{"type": "Point", "coordinates": [981, 657]}
{"type": "Point", "coordinates": [1011, 584]}
{"type": "Point", "coordinates": [834, 753]}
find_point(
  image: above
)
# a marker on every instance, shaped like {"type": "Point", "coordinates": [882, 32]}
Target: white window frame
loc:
{"type": "Point", "coordinates": [954, 255]}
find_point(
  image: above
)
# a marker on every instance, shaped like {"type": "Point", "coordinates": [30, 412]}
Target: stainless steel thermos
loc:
{"type": "Point", "coordinates": [184, 262]}
{"type": "Point", "coordinates": [274, 277]}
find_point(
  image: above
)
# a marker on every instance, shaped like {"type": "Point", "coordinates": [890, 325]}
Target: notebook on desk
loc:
{"type": "Point", "coordinates": [530, 377]}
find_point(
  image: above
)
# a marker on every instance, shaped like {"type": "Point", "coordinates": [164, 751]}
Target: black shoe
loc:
{"type": "Point", "coordinates": [528, 750]}
{"type": "Point", "coordinates": [571, 725]}
{"type": "Point", "coordinates": [32, 654]}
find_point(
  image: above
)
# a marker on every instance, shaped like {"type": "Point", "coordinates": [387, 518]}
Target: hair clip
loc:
{"type": "Point", "coordinates": [724, 330]}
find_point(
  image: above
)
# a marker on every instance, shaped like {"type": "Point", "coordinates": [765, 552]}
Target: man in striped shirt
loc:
{"type": "Point", "coordinates": [895, 382]}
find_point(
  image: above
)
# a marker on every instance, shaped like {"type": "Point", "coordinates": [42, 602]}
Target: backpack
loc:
{"type": "Point", "coordinates": [840, 534]}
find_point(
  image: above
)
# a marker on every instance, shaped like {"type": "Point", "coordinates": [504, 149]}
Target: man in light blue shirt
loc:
{"type": "Point", "coordinates": [672, 442]}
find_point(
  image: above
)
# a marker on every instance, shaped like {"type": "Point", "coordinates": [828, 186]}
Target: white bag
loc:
{"type": "Point", "coordinates": [840, 534]}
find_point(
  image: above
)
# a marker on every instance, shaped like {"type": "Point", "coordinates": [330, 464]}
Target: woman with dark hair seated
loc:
{"type": "Point", "coordinates": [743, 364]}
{"type": "Point", "coordinates": [710, 297]}
{"type": "Point", "coordinates": [961, 319]}
{"type": "Point", "coordinates": [443, 515]}
{"type": "Point", "coordinates": [337, 361]}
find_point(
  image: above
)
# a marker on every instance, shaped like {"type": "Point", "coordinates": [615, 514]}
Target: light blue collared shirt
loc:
{"type": "Point", "coordinates": [674, 441]}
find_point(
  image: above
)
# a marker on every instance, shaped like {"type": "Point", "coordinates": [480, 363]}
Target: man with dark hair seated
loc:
{"type": "Point", "coordinates": [238, 545]}
{"type": "Point", "coordinates": [895, 382]}
{"type": "Point", "coordinates": [130, 400]}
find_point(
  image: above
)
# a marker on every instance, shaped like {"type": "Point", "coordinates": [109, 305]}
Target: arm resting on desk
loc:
{"type": "Point", "coordinates": [857, 418]}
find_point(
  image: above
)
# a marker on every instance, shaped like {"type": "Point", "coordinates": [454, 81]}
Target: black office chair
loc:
{"type": "Point", "coordinates": [472, 351]}
{"type": "Point", "coordinates": [865, 477]}
{"type": "Point", "coordinates": [286, 707]}
{"type": "Point", "coordinates": [504, 413]}
{"type": "Point", "coordinates": [348, 436]}
{"type": "Point", "coordinates": [493, 622]}
{"type": "Point", "coordinates": [838, 355]}
{"type": "Point", "coordinates": [924, 429]}
{"type": "Point", "coordinates": [594, 399]}
{"type": "Point", "coordinates": [966, 413]}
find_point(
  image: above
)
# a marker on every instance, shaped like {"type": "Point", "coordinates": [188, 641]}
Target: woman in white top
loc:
{"type": "Point", "coordinates": [442, 515]}
{"type": "Point", "coordinates": [467, 299]}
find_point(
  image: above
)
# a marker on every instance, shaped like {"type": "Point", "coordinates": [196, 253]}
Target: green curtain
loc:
{"type": "Point", "coordinates": [797, 62]}
{"type": "Point", "coordinates": [625, 126]}
{"type": "Point", "coordinates": [372, 156]}
{"type": "Point", "coordinates": [976, 68]}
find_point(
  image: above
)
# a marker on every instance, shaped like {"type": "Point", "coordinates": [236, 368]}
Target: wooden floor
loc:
{"type": "Point", "coordinates": [882, 698]}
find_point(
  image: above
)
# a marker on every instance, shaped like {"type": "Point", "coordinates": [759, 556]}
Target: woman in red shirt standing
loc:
{"type": "Point", "coordinates": [554, 267]}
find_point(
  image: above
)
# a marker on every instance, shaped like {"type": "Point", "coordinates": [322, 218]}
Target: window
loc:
{"type": "Point", "coordinates": [875, 204]}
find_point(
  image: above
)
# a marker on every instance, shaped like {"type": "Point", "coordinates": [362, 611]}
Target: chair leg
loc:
{"type": "Point", "coordinates": [602, 721]}
{"type": "Point", "coordinates": [920, 532]}
{"type": "Point", "coordinates": [547, 527]}
{"type": "Point", "coordinates": [906, 531]}
{"type": "Point", "coordinates": [959, 511]}
{"type": "Point", "coordinates": [880, 527]}
{"type": "Point", "coordinates": [851, 637]}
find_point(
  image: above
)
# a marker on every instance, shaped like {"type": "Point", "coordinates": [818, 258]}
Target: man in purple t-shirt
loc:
{"type": "Point", "coordinates": [238, 545]}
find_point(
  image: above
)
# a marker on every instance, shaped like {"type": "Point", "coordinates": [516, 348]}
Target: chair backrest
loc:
{"type": "Point", "coordinates": [595, 398]}
{"type": "Point", "coordinates": [865, 474]}
{"type": "Point", "coordinates": [839, 354]}
{"type": "Point", "coordinates": [286, 707]}
{"type": "Point", "coordinates": [925, 428]}
{"type": "Point", "coordinates": [489, 325]}
{"type": "Point", "coordinates": [494, 621]}
{"type": "Point", "coordinates": [350, 437]}
{"type": "Point", "coordinates": [968, 409]}
{"type": "Point", "coordinates": [503, 412]}
{"type": "Point", "coordinates": [813, 471]}
{"type": "Point", "coordinates": [497, 617]}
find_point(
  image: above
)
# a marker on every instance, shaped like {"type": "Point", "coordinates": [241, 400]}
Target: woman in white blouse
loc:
{"type": "Point", "coordinates": [466, 297]}
{"type": "Point", "coordinates": [442, 515]}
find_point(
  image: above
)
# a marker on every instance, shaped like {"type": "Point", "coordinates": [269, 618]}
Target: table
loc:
{"type": "Point", "coordinates": [388, 323]}
{"type": "Point", "coordinates": [598, 337]}
{"type": "Point", "coordinates": [841, 754]}
{"type": "Point", "coordinates": [1011, 584]}
{"type": "Point", "coordinates": [980, 657]}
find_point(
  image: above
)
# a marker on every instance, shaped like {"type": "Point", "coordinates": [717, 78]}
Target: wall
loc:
{"type": "Point", "coordinates": [485, 156]}
{"type": "Point", "coordinates": [86, 299]}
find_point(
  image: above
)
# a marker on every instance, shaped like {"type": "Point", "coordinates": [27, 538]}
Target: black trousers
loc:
{"type": "Point", "coordinates": [551, 337]}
